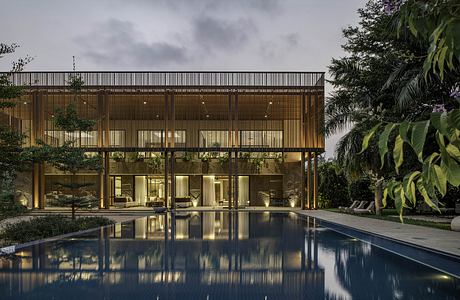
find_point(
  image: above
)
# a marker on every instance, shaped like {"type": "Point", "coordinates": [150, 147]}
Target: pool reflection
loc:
{"type": "Point", "coordinates": [216, 255]}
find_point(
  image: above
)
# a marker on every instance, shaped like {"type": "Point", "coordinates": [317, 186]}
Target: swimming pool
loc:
{"type": "Point", "coordinates": [217, 255]}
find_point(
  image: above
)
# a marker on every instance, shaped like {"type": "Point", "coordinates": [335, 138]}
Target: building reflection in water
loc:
{"type": "Point", "coordinates": [218, 255]}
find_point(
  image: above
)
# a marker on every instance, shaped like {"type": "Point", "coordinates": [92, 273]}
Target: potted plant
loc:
{"type": "Point", "coordinates": [154, 162]}
{"type": "Point", "coordinates": [205, 159]}
{"type": "Point", "coordinates": [117, 156]}
{"type": "Point", "coordinates": [223, 159]}
{"type": "Point", "coordinates": [259, 161]}
{"type": "Point", "coordinates": [187, 157]}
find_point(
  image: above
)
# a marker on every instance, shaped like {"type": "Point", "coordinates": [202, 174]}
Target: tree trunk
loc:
{"type": "Point", "coordinates": [378, 196]}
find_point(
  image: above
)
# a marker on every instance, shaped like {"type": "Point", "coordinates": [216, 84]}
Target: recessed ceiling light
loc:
{"type": "Point", "coordinates": [265, 116]}
{"type": "Point", "coordinates": [25, 102]}
{"type": "Point", "coordinates": [207, 116]}
{"type": "Point", "coordinates": [271, 102]}
{"type": "Point", "coordinates": [145, 102]}
{"type": "Point", "coordinates": [202, 102]}
{"type": "Point", "coordinates": [158, 116]}
{"type": "Point", "coordinates": [84, 102]}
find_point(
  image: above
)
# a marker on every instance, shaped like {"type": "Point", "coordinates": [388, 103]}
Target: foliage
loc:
{"type": "Point", "coordinates": [154, 162]}
{"type": "Point", "coordinates": [438, 168]}
{"type": "Point", "coordinates": [360, 190]}
{"type": "Point", "coordinates": [9, 204]}
{"type": "Point", "coordinates": [68, 120]}
{"type": "Point", "coordinates": [438, 23]}
{"type": "Point", "coordinates": [117, 156]}
{"type": "Point", "coordinates": [433, 139]}
{"type": "Point", "coordinates": [135, 157]}
{"type": "Point", "coordinates": [205, 157]}
{"type": "Point", "coordinates": [333, 186]}
{"type": "Point", "coordinates": [280, 157]}
{"type": "Point", "coordinates": [187, 157]}
{"type": "Point", "coordinates": [48, 226]}
{"type": "Point", "coordinates": [7, 89]}
{"type": "Point", "coordinates": [223, 159]}
{"type": "Point", "coordinates": [258, 161]}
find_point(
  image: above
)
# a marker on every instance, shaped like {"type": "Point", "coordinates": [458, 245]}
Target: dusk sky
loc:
{"type": "Point", "coordinates": [266, 35]}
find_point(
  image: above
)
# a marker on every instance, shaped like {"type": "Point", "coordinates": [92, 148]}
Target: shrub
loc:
{"type": "Point", "coordinates": [333, 186]}
{"type": "Point", "coordinates": [360, 190]}
{"type": "Point", "coordinates": [48, 226]}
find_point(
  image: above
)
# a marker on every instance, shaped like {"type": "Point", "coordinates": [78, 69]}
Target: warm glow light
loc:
{"type": "Point", "coordinates": [145, 102]}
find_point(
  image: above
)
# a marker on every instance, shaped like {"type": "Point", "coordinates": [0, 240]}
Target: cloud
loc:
{"type": "Point", "coordinates": [119, 43]}
{"type": "Point", "coordinates": [214, 34]}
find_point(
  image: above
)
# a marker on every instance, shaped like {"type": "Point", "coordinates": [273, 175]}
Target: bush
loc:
{"type": "Point", "coordinates": [333, 186]}
{"type": "Point", "coordinates": [360, 190]}
{"type": "Point", "coordinates": [48, 226]}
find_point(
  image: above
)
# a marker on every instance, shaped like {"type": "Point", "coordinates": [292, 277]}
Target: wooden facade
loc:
{"type": "Point", "coordinates": [245, 134]}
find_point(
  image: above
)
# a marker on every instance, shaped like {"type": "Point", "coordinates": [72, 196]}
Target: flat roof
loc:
{"type": "Point", "coordinates": [192, 79]}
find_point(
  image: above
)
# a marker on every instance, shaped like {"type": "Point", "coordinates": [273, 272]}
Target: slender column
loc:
{"type": "Point", "coordinates": [315, 181]}
{"type": "Point", "coordinates": [173, 181]}
{"type": "Point", "coordinates": [229, 192]}
{"type": "Point", "coordinates": [302, 120]}
{"type": "Point", "coordinates": [166, 129]}
{"type": "Point", "coordinates": [235, 124]}
{"type": "Point", "coordinates": [106, 120]}
{"type": "Point", "coordinates": [100, 144]}
{"type": "Point", "coordinates": [38, 130]}
{"type": "Point", "coordinates": [235, 194]}
{"type": "Point", "coordinates": [166, 178]}
{"type": "Point", "coordinates": [308, 180]}
{"type": "Point", "coordinates": [302, 179]}
{"type": "Point", "coordinates": [106, 185]}
{"type": "Point", "coordinates": [173, 121]}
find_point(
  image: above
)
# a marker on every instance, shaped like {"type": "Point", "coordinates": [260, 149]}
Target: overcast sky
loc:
{"type": "Point", "coordinates": [281, 35]}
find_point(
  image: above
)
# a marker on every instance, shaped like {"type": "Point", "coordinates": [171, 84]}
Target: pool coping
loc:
{"type": "Point", "coordinates": [377, 240]}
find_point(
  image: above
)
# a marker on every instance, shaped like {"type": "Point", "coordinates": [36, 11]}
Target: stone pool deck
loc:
{"type": "Point", "coordinates": [432, 238]}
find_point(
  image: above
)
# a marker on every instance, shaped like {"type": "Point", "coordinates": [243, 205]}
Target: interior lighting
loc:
{"type": "Point", "coordinates": [145, 102]}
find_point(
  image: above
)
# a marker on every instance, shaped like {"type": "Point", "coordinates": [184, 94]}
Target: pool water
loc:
{"type": "Point", "coordinates": [217, 255]}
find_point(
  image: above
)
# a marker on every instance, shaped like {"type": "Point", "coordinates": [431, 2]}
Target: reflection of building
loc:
{"type": "Point", "coordinates": [205, 253]}
{"type": "Point", "coordinates": [182, 138]}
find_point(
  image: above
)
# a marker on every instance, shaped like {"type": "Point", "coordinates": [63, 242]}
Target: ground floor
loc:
{"type": "Point", "coordinates": [174, 179]}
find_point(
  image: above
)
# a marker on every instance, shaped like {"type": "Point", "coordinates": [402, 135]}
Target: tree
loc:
{"type": "Point", "coordinates": [69, 158]}
{"type": "Point", "coordinates": [381, 81]}
{"type": "Point", "coordinates": [12, 158]}
{"type": "Point", "coordinates": [439, 163]}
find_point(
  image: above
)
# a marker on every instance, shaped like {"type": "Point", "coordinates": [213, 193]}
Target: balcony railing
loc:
{"type": "Point", "coordinates": [172, 79]}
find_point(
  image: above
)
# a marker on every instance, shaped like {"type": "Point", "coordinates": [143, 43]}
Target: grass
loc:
{"type": "Point", "coordinates": [392, 216]}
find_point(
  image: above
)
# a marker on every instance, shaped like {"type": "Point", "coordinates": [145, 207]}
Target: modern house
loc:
{"type": "Point", "coordinates": [180, 139]}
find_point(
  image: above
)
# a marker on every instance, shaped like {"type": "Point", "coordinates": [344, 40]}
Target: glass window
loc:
{"type": "Point", "coordinates": [149, 138]}
{"type": "Point", "coordinates": [83, 139]}
{"type": "Point", "coordinates": [117, 138]}
{"type": "Point", "coordinates": [213, 138]}
{"type": "Point", "coordinates": [261, 138]}
{"type": "Point", "coordinates": [155, 138]}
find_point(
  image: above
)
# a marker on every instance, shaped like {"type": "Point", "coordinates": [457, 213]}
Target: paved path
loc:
{"type": "Point", "coordinates": [437, 239]}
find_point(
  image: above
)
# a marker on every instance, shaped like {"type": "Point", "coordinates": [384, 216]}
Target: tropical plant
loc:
{"type": "Point", "coordinates": [438, 167]}
{"type": "Point", "coordinates": [436, 24]}
{"type": "Point", "coordinates": [333, 185]}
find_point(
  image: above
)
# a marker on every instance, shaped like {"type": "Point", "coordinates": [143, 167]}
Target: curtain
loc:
{"type": "Point", "coordinates": [209, 191]}
{"type": "Point", "coordinates": [243, 190]}
{"type": "Point", "coordinates": [181, 186]}
{"type": "Point", "coordinates": [141, 189]}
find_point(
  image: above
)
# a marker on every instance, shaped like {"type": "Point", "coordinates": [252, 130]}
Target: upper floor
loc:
{"type": "Point", "coordinates": [180, 110]}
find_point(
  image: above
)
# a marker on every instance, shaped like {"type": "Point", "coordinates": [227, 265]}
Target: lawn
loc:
{"type": "Point", "coordinates": [393, 216]}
